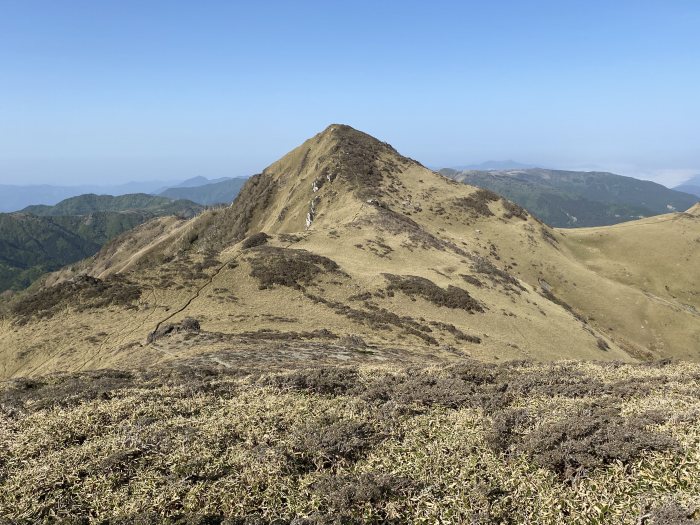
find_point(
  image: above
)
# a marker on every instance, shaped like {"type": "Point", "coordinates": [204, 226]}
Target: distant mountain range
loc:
{"type": "Point", "coordinates": [44, 238]}
{"type": "Point", "coordinates": [199, 181]}
{"type": "Point", "coordinates": [15, 197]}
{"type": "Point", "coordinates": [578, 199]}
{"type": "Point", "coordinates": [496, 165]}
{"type": "Point", "coordinates": [691, 186]}
{"type": "Point", "coordinates": [214, 192]}
{"type": "Point", "coordinates": [91, 203]}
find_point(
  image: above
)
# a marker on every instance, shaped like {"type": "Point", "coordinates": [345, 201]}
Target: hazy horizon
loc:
{"type": "Point", "coordinates": [106, 93]}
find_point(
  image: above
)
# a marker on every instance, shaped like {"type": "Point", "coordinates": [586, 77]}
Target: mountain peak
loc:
{"type": "Point", "coordinates": [344, 237]}
{"type": "Point", "coordinates": [342, 130]}
{"type": "Point", "coordinates": [350, 141]}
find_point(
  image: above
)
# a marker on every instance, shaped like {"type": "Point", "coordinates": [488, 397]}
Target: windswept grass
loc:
{"type": "Point", "coordinates": [469, 443]}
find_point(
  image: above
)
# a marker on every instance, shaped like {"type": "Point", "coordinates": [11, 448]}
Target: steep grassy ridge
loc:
{"type": "Point", "coordinates": [360, 242]}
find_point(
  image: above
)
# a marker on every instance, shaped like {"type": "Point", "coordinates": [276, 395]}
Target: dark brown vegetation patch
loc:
{"type": "Point", "coordinates": [290, 238]}
{"type": "Point", "coordinates": [472, 280]}
{"type": "Point", "coordinates": [549, 295]}
{"type": "Point", "coordinates": [548, 236]}
{"type": "Point", "coordinates": [594, 435]}
{"type": "Point", "coordinates": [396, 223]}
{"type": "Point", "coordinates": [456, 332]}
{"type": "Point", "coordinates": [63, 389]}
{"type": "Point", "coordinates": [82, 293]}
{"type": "Point", "coordinates": [288, 267]}
{"type": "Point", "coordinates": [324, 443]}
{"type": "Point", "coordinates": [323, 380]}
{"type": "Point", "coordinates": [673, 513]}
{"type": "Point", "coordinates": [361, 160]}
{"type": "Point", "coordinates": [513, 210]}
{"type": "Point", "coordinates": [476, 204]}
{"type": "Point", "coordinates": [483, 266]}
{"type": "Point", "coordinates": [257, 239]}
{"type": "Point", "coordinates": [421, 390]}
{"type": "Point", "coordinates": [270, 334]}
{"type": "Point", "coordinates": [188, 324]}
{"type": "Point", "coordinates": [18, 396]}
{"type": "Point", "coordinates": [451, 297]}
{"type": "Point", "coordinates": [344, 496]}
{"type": "Point", "coordinates": [377, 317]}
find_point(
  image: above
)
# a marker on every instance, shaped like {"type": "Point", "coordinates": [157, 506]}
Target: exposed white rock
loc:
{"type": "Point", "coordinates": [311, 215]}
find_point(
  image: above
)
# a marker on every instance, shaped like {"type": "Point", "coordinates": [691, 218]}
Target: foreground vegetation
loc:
{"type": "Point", "coordinates": [464, 443]}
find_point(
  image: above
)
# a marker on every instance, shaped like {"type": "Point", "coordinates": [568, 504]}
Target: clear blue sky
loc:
{"type": "Point", "coordinates": [101, 90]}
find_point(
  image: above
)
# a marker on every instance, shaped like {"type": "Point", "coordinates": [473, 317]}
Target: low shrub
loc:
{"type": "Point", "coordinates": [452, 297]}
{"type": "Point", "coordinates": [346, 497]}
{"type": "Point", "coordinates": [82, 293]}
{"type": "Point", "coordinates": [196, 441]}
{"type": "Point", "coordinates": [375, 316]}
{"type": "Point", "coordinates": [329, 380]}
{"type": "Point", "coordinates": [456, 332]}
{"type": "Point", "coordinates": [483, 266]}
{"type": "Point", "coordinates": [477, 204]}
{"type": "Point", "coordinates": [673, 513]}
{"type": "Point", "coordinates": [64, 389]}
{"type": "Point", "coordinates": [269, 334]}
{"type": "Point", "coordinates": [595, 435]}
{"type": "Point", "coordinates": [513, 210]}
{"type": "Point", "coordinates": [257, 239]}
{"type": "Point", "coordinates": [188, 324]}
{"type": "Point", "coordinates": [324, 443]}
{"type": "Point", "coordinates": [288, 267]}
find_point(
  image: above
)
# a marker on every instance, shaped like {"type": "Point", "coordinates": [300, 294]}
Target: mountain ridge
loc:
{"type": "Point", "coordinates": [211, 193]}
{"type": "Point", "coordinates": [345, 244]}
{"type": "Point", "coordinates": [578, 199]}
{"type": "Point", "coordinates": [91, 203]}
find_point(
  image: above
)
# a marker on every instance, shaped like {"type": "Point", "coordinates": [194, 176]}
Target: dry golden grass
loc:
{"type": "Point", "coordinates": [202, 443]}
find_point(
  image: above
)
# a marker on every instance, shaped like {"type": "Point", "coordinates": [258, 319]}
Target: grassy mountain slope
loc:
{"type": "Point", "coordinates": [636, 254]}
{"type": "Point", "coordinates": [222, 192]}
{"type": "Point", "coordinates": [364, 251]}
{"type": "Point", "coordinates": [578, 199]}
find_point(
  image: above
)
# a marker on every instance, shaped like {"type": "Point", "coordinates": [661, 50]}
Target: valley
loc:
{"type": "Point", "coordinates": [41, 238]}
